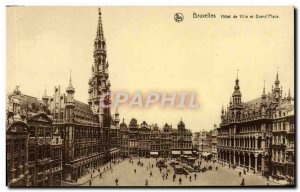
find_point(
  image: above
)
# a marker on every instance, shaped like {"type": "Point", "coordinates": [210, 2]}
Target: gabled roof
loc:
{"type": "Point", "coordinates": [83, 113]}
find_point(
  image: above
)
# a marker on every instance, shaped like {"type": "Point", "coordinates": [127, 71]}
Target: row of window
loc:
{"type": "Point", "coordinates": [40, 131]}
{"type": "Point", "coordinates": [15, 146]}
{"type": "Point", "coordinates": [245, 129]}
{"type": "Point", "coordinates": [279, 126]}
{"type": "Point", "coordinates": [246, 143]}
{"type": "Point", "coordinates": [79, 152]}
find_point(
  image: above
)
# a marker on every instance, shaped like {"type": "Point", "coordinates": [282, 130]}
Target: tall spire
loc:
{"type": "Point", "coordinates": [237, 95]}
{"type": "Point", "coordinates": [45, 97]}
{"type": "Point", "coordinates": [100, 35]}
{"type": "Point", "coordinates": [70, 81]}
{"type": "Point", "coordinates": [98, 83]}
{"type": "Point", "coordinates": [264, 89]}
{"type": "Point", "coordinates": [289, 98]}
{"type": "Point", "coordinates": [70, 88]}
{"type": "Point", "coordinates": [277, 80]}
{"type": "Point", "coordinates": [237, 87]}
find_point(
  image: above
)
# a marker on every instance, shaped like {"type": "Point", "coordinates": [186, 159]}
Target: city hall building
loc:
{"type": "Point", "coordinates": [59, 138]}
{"type": "Point", "coordinates": [258, 135]}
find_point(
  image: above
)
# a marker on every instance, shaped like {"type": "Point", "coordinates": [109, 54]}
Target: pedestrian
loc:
{"type": "Point", "coordinates": [240, 173]}
{"type": "Point", "coordinates": [244, 171]}
{"type": "Point", "coordinates": [243, 182]}
{"type": "Point", "coordinates": [195, 176]}
{"type": "Point", "coordinates": [180, 181]}
{"type": "Point", "coordinates": [151, 174]}
{"type": "Point", "coordinates": [134, 171]}
{"type": "Point", "coordinates": [167, 175]}
{"type": "Point", "coordinates": [100, 175]}
{"type": "Point", "coordinates": [190, 178]}
{"type": "Point", "coordinates": [174, 176]}
{"type": "Point", "coordinates": [146, 182]}
{"type": "Point", "coordinates": [216, 168]}
{"type": "Point", "coordinates": [116, 181]}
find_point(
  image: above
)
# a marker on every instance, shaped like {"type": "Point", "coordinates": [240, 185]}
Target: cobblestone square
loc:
{"type": "Point", "coordinates": [124, 173]}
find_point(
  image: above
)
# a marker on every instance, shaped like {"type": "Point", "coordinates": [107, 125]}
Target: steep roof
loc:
{"type": "Point", "coordinates": [83, 113]}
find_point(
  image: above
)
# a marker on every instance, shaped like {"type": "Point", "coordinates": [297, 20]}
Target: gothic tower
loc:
{"type": "Point", "coordinates": [236, 106]}
{"type": "Point", "coordinates": [263, 102]}
{"type": "Point", "coordinates": [99, 85]}
{"type": "Point", "coordinates": [70, 104]}
{"type": "Point", "coordinates": [277, 91]}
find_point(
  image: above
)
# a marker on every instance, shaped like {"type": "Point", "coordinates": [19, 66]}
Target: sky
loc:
{"type": "Point", "coordinates": [148, 51]}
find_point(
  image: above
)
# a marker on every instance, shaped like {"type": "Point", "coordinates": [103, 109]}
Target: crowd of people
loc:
{"type": "Point", "coordinates": [164, 172]}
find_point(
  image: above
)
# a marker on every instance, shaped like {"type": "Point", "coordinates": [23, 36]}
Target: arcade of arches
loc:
{"type": "Point", "coordinates": [249, 160]}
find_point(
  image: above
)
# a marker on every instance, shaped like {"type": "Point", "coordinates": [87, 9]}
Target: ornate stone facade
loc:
{"type": "Point", "coordinates": [16, 142]}
{"type": "Point", "coordinates": [149, 140]}
{"type": "Point", "coordinates": [64, 139]}
{"type": "Point", "coordinates": [247, 128]}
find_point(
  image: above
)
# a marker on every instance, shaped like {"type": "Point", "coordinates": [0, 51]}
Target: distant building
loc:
{"type": "Point", "coordinates": [155, 141]}
{"type": "Point", "coordinates": [124, 140]}
{"type": "Point", "coordinates": [166, 140]}
{"type": "Point", "coordinates": [144, 141]}
{"type": "Point", "coordinates": [182, 140]}
{"type": "Point", "coordinates": [133, 138]}
{"type": "Point", "coordinates": [150, 141]}
{"type": "Point", "coordinates": [214, 143]}
{"type": "Point", "coordinates": [203, 142]}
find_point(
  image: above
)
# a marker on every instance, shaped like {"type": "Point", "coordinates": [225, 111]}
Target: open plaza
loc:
{"type": "Point", "coordinates": [128, 173]}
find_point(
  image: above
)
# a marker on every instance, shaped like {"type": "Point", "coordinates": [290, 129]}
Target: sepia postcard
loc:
{"type": "Point", "coordinates": [178, 96]}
